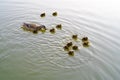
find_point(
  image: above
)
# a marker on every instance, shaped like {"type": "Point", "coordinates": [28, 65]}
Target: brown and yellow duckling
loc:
{"type": "Point", "coordinates": [42, 15]}
{"type": "Point", "coordinates": [75, 37]}
{"type": "Point", "coordinates": [85, 39]}
{"type": "Point", "coordinates": [54, 13]}
{"type": "Point", "coordinates": [35, 31]}
{"type": "Point", "coordinates": [69, 44]}
{"type": "Point", "coordinates": [43, 30]}
{"type": "Point", "coordinates": [71, 53]}
{"type": "Point", "coordinates": [59, 26]}
{"type": "Point", "coordinates": [52, 30]}
{"type": "Point", "coordinates": [86, 44]}
{"type": "Point", "coordinates": [66, 48]}
{"type": "Point", "coordinates": [75, 47]}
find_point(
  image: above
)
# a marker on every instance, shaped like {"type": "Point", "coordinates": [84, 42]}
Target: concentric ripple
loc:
{"type": "Point", "coordinates": [41, 56]}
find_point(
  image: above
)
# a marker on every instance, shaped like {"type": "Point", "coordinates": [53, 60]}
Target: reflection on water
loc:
{"type": "Point", "coordinates": [28, 56]}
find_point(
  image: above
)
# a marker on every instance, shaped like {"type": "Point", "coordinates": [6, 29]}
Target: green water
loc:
{"type": "Point", "coordinates": [28, 56]}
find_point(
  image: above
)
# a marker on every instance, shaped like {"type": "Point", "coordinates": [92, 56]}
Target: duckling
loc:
{"type": "Point", "coordinates": [75, 47]}
{"type": "Point", "coordinates": [43, 30]}
{"type": "Point", "coordinates": [69, 44]}
{"type": "Point", "coordinates": [84, 39]}
{"type": "Point", "coordinates": [74, 37]}
{"type": "Point", "coordinates": [59, 26]}
{"type": "Point", "coordinates": [52, 30]}
{"type": "Point", "coordinates": [35, 31]}
{"type": "Point", "coordinates": [66, 48]}
{"type": "Point", "coordinates": [71, 53]}
{"type": "Point", "coordinates": [42, 15]}
{"type": "Point", "coordinates": [86, 44]}
{"type": "Point", "coordinates": [54, 13]}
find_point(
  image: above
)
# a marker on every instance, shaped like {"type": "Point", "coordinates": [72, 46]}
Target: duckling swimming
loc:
{"type": "Point", "coordinates": [59, 26]}
{"type": "Point", "coordinates": [42, 15]}
{"type": "Point", "coordinates": [84, 39]}
{"type": "Point", "coordinates": [75, 47]}
{"type": "Point", "coordinates": [66, 48]}
{"type": "Point", "coordinates": [74, 37]}
{"type": "Point", "coordinates": [35, 31]}
{"type": "Point", "coordinates": [86, 44]}
{"type": "Point", "coordinates": [43, 30]}
{"type": "Point", "coordinates": [71, 53]}
{"type": "Point", "coordinates": [54, 13]}
{"type": "Point", "coordinates": [69, 44]}
{"type": "Point", "coordinates": [52, 30]}
{"type": "Point", "coordinates": [32, 27]}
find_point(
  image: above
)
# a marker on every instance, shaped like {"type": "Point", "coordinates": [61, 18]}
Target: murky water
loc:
{"type": "Point", "coordinates": [27, 56]}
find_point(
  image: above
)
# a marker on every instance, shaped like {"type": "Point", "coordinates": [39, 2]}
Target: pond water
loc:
{"type": "Point", "coordinates": [28, 56]}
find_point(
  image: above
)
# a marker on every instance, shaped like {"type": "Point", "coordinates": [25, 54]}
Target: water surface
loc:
{"type": "Point", "coordinates": [28, 56]}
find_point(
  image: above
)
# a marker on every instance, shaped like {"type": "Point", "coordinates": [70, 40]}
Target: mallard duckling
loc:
{"type": "Point", "coordinates": [43, 30]}
{"type": "Point", "coordinates": [71, 53]}
{"type": "Point", "coordinates": [84, 39]}
{"type": "Point", "coordinates": [59, 26]}
{"type": "Point", "coordinates": [42, 15]}
{"type": "Point", "coordinates": [69, 44]}
{"type": "Point", "coordinates": [66, 48]}
{"type": "Point", "coordinates": [75, 47]}
{"type": "Point", "coordinates": [86, 44]}
{"type": "Point", "coordinates": [35, 31]}
{"type": "Point", "coordinates": [52, 30]}
{"type": "Point", "coordinates": [54, 13]}
{"type": "Point", "coordinates": [75, 36]}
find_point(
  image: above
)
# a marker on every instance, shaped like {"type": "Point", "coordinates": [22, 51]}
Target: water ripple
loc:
{"type": "Point", "coordinates": [45, 52]}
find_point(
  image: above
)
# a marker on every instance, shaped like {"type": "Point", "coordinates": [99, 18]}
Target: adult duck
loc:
{"type": "Point", "coordinates": [32, 27]}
